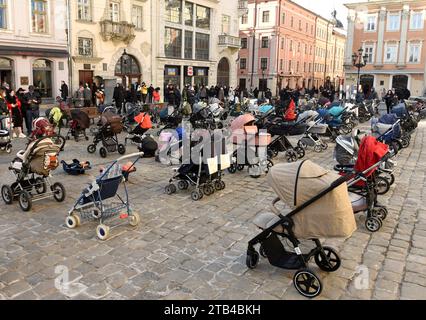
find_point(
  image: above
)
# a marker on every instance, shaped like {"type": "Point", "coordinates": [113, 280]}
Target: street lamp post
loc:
{"type": "Point", "coordinates": [359, 61]}
{"type": "Point", "coordinates": [263, 81]}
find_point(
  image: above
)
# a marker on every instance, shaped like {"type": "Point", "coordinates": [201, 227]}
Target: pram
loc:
{"type": "Point", "coordinates": [312, 136]}
{"type": "Point", "coordinates": [32, 168]}
{"type": "Point", "coordinates": [109, 126]}
{"type": "Point", "coordinates": [100, 201]}
{"type": "Point", "coordinates": [43, 128]}
{"type": "Point", "coordinates": [251, 147]}
{"type": "Point", "coordinates": [80, 121]}
{"type": "Point", "coordinates": [170, 143]}
{"type": "Point", "coordinates": [364, 187]}
{"type": "Point", "coordinates": [387, 129]}
{"type": "Point", "coordinates": [143, 124]}
{"type": "Point", "coordinates": [170, 117]}
{"type": "Point", "coordinates": [205, 174]}
{"type": "Point", "coordinates": [202, 117]}
{"type": "Point", "coordinates": [320, 208]}
{"type": "Point", "coordinates": [5, 140]}
{"type": "Point", "coordinates": [333, 118]}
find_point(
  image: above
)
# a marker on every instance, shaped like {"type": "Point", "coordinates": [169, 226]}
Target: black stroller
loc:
{"type": "Point", "coordinates": [80, 121]}
{"type": "Point", "coordinates": [109, 126]}
{"type": "Point", "coordinates": [205, 174]}
{"type": "Point", "coordinates": [320, 208]}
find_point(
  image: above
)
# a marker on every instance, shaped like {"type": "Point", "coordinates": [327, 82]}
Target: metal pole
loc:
{"type": "Point", "coordinates": [69, 44]}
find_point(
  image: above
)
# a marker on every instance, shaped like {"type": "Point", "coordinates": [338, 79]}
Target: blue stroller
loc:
{"type": "Point", "coordinates": [100, 201]}
{"type": "Point", "coordinates": [387, 129]}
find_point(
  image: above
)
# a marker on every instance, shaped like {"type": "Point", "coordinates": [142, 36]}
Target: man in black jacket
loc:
{"type": "Point", "coordinates": [64, 91]}
{"type": "Point", "coordinates": [118, 97]}
{"type": "Point", "coordinates": [32, 101]}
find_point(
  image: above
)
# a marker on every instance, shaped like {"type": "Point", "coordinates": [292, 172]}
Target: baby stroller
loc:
{"type": "Point", "coordinates": [202, 117]}
{"type": "Point", "coordinates": [5, 140]}
{"type": "Point", "coordinates": [170, 143]}
{"type": "Point", "coordinates": [320, 208]}
{"type": "Point", "coordinates": [312, 136]}
{"type": "Point", "coordinates": [32, 168]}
{"type": "Point", "coordinates": [333, 118]}
{"type": "Point", "coordinates": [387, 129]}
{"type": "Point", "coordinates": [364, 187]}
{"type": "Point", "coordinates": [205, 174]}
{"type": "Point", "coordinates": [170, 117]}
{"type": "Point", "coordinates": [100, 201]}
{"type": "Point", "coordinates": [80, 121]}
{"type": "Point", "coordinates": [109, 127]}
{"type": "Point", "coordinates": [251, 147]}
{"type": "Point", "coordinates": [43, 128]}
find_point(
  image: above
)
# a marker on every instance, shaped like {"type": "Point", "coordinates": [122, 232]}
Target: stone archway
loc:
{"type": "Point", "coordinates": [223, 72]}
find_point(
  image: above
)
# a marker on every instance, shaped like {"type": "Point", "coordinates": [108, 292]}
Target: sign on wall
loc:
{"type": "Point", "coordinates": [25, 81]}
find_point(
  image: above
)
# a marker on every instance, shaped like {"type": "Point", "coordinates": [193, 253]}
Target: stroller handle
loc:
{"type": "Point", "coordinates": [133, 155]}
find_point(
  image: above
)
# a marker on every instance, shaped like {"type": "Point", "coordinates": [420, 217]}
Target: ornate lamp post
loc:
{"type": "Point", "coordinates": [359, 61]}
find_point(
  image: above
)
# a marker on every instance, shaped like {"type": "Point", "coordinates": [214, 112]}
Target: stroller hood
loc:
{"type": "Point", "coordinates": [42, 156]}
{"type": "Point", "coordinates": [388, 119]}
{"type": "Point", "coordinates": [81, 118]}
{"type": "Point", "coordinates": [330, 216]}
{"type": "Point", "coordinates": [265, 108]}
{"type": "Point", "coordinates": [347, 143]}
{"type": "Point", "coordinates": [370, 152]}
{"type": "Point", "coordinates": [242, 121]}
{"type": "Point", "coordinates": [307, 115]}
{"type": "Point", "coordinates": [336, 111]}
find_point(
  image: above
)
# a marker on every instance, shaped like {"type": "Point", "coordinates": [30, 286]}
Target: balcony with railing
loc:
{"type": "Point", "coordinates": [229, 41]}
{"type": "Point", "coordinates": [117, 31]}
{"type": "Point", "coordinates": [242, 7]}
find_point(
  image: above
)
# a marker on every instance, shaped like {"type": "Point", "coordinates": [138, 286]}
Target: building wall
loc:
{"type": "Point", "coordinates": [106, 53]}
{"type": "Point", "coordinates": [23, 46]}
{"type": "Point", "coordinates": [383, 71]}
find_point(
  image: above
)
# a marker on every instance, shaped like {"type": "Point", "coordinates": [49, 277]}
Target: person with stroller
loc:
{"type": "Point", "coordinates": [14, 106]}
{"type": "Point", "coordinates": [32, 101]}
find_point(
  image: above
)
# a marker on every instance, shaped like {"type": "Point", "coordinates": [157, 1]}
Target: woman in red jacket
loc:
{"type": "Point", "coordinates": [14, 106]}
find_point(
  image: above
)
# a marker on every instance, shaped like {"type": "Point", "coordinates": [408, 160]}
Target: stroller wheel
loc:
{"type": "Point", "coordinates": [121, 149]}
{"type": "Point", "coordinates": [307, 283]}
{"type": "Point", "coordinates": [197, 195]}
{"type": "Point", "coordinates": [302, 145]}
{"type": "Point", "coordinates": [40, 186]}
{"type": "Point", "coordinates": [327, 260]}
{"type": "Point", "coordinates": [170, 189]}
{"type": "Point", "coordinates": [91, 148]}
{"type": "Point", "coordinates": [9, 148]}
{"type": "Point", "coordinates": [102, 232]}
{"type": "Point", "coordinates": [222, 185]}
{"type": "Point", "coordinates": [382, 185]}
{"type": "Point", "coordinates": [291, 156]}
{"type": "Point", "coordinates": [218, 185]}
{"type": "Point", "coordinates": [388, 176]}
{"type": "Point", "coordinates": [208, 189]}
{"type": "Point", "coordinates": [240, 167]}
{"type": "Point", "coordinates": [380, 213]}
{"type": "Point", "coordinates": [252, 259]}
{"type": "Point", "coordinates": [255, 171]}
{"type": "Point", "coordinates": [7, 194]}
{"type": "Point", "coordinates": [232, 169]}
{"type": "Point", "coordinates": [262, 252]}
{"type": "Point", "coordinates": [300, 152]}
{"type": "Point", "coordinates": [25, 201]}
{"type": "Point", "coordinates": [134, 219]}
{"type": "Point", "coordinates": [324, 146]}
{"type": "Point", "coordinates": [72, 221]}
{"type": "Point", "coordinates": [103, 152]}
{"type": "Point", "coordinates": [58, 192]}
{"type": "Point", "coordinates": [183, 185]}
{"type": "Point", "coordinates": [373, 224]}
{"type": "Point", "coordinates": [318, 148]}
{"type": "Point", "coordinates": [405, 142]}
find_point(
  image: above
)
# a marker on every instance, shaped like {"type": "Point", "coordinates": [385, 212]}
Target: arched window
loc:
{"type": "Point", "coordinates": [128, 69]}
{"type": "Point", "coordinates": [42, 77]}
{"type": "Point", "coordinates": [223, 72]}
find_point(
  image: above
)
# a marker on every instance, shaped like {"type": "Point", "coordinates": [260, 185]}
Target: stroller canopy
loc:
{"type": "Point", "coordinates": [388, 119]}
{"type": "Point", "coordinates": [370, 152]}
{"type": "Point", "coordinates": [42, 156]}
{"type": "Point", "coordinates": [330, 216]}
{"type": "Point", "coordinates": [241, 121]}
{"type": "Point", "coordinates": [81, 118]}
{"type": "Point", "coordinates": [307, 115]}
{"type": "Point", "coordinates": [266, 108]}
{"type": "Point", "coordinates": [112, 119]}
{"type": "Point", "coordinates": [336, 111]}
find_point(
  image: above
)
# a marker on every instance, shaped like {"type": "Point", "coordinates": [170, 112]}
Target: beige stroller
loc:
{"type": "Point", "coordinates": [319, 208]}
{"type": "Point", "coordinates": [32, 168]}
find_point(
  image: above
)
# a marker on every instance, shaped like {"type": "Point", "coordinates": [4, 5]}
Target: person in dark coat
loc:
{"type": "Point", "coordinates": [31, 102]}
{"type": "Point", "coordinates": [268, 94]}
{"type": "Point", "coordinates": [170, 94]}
{"type": "Point", "coordinates": [94, 90]}
{"type": "Point", "coordinates": [118, 97]}
{"type": "Point", "coordinates": [256, 93]}
{"type": "Point", "coordinates": [389, 100]}
{"type": "Point", "coordinates": [64, 91]}
{"type": "Point", "coordinates": [150, 93]}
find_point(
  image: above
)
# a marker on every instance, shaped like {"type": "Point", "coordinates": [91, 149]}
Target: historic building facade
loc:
{"type": "Point", "coordinates": [391, 34]}
{"type": "Point", "coordinates": [286, 44]}
{"type": "Point", "coordinates": [33, 48]}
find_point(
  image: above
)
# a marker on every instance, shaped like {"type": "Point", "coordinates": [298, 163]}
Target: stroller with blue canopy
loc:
{"type": "Point", "coordinates": [387, 129]}
{"type": "Point", "coordinates": [100, 201]}
{"type": "Point", "coordinates": [333, 118]}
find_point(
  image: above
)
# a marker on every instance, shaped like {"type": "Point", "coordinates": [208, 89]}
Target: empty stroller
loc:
{"type": "Point", "coordinates": [80, 121]}
{"type": "Point", "coordinates": [364, 187]}
{"type": "Point", "coordinates": [169, 146]}
{"type": "Point", "coordinates": [101, 201]}
{"type": "Point", "coordinates": [312, 136]}
{"type": "Point", "coordinates": [109, 126]}
{"type": "Point", "coordinates": [32, 168]}
{"type": "Point", "coordinates": [5, 140]}
{"type": "Point", "coordinates": [251, 147]}
{"type": "Point", "coordinates": [387, 129]}
{"type": "Point", "coordinates": [320, 208]}
{"type": "Point", "coordinates": [205, 174]}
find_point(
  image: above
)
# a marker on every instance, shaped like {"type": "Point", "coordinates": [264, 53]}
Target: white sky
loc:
{"type": "Point", "coordinates": [325, 7]}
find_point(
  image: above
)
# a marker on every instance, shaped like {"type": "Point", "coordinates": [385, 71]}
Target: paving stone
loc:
{"type": "Point", "coordinates": [413, 291]}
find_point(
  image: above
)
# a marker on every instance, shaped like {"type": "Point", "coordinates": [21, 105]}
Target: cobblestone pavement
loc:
{"type": "Point", "coordinates": [196, 250]}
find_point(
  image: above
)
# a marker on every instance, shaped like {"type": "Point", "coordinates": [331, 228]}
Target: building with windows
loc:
{"type": "Point", "coordinates": [110, 40]}
{"type": "Point", "coordinates": [285, 44]}
{"type": "Point", "coordinates": [195, 42]}
{"type": "Point", "coordinates": [391, 34]}
{"type": "Point", "coordinates": [33, 48]}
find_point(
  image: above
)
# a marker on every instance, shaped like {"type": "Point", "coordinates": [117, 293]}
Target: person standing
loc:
{"type": "Point", "coordinates": [87, 95]}
{"type": "Point", "coordinates": [156, 95]}
{"type": "Point", "coordinates": [64, 91]}
{"type": "Point", "coordinates": [94, 90]}
{"type": "Point", "coordinates": [388, 100]}
{"type": "Point", "coordinates": [144, 92]}
{"type": "Point", "coordinates": [32, 101]}
{"type": "Point", "coordinates": [118, 97]}
{"type": "Point", "coordinates": [203, 93]}
{"type": "Point", "coordinates": [221, 94]}
{"type": "Point", "coordinates": [256, 93]}
{"type": "Point", "coordinates": [14, 106]}
{"type": "Point", "coordinates": [150, 93]}
{"type": "Point", "coordinates": [3, 103]}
